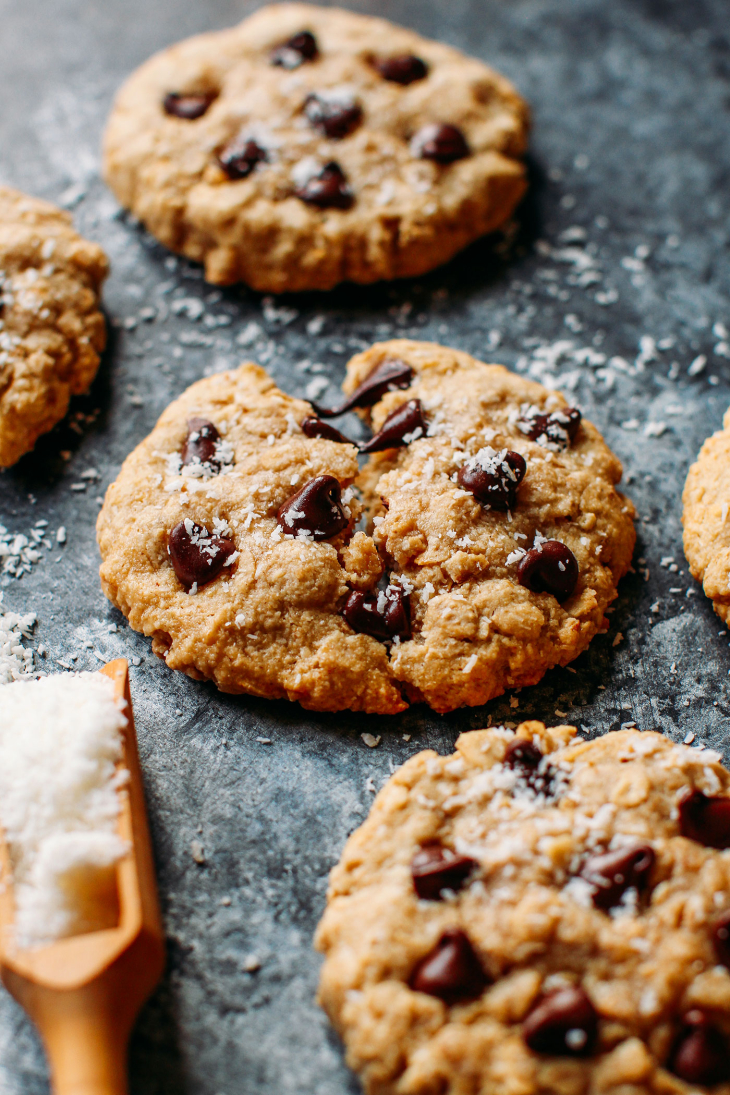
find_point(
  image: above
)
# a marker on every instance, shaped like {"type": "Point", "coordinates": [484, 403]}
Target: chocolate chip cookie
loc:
{"type": "Point", "coordinates": [537, 915]}
{"type": "Point", "coordinates": [228, 538]}
{"type": "Point", "coordinates": [309, 146]}
{"type": "Point", "coordinates": [706, 530]}
{"type": "Point", "coordinates": [494, 507]}
{"type": "Point", "coordinates": [51, 329]}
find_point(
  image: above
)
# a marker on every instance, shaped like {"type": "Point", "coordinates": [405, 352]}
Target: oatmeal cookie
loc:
{"type": "Point", "coordinates": [51, 329]}
{"type": "Point", "coordinates": [706, 529]}
{"type": "Point", "coordinates": [308, 146]}
{"type": "Point", "coordinates": [537, 915]}
{"type": "Point", "coordinates": [494, 506]}
{"type": "Point", "coordinates": [227, 538]}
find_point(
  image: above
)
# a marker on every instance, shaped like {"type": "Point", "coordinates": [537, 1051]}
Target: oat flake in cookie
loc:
{"type": "Point", "coordinates": [706, 529]}
{"type": "Point", "coordinates": [578, 942]}
{"type": "Point", "coordinates": [51, 328]}
{"type": "Point", "coordinates": [228, 538]}
{"type": "Point", "coordinates": [309, 146]}
{"type": "Point", "coordinates": [501, 522]}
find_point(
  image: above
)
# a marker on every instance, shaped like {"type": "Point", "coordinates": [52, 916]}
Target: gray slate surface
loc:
{"type": "Point", "coordinates": [630, 144]}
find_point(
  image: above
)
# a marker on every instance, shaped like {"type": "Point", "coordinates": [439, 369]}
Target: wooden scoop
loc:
{"type": "Point", "coordinates": [83, 993]}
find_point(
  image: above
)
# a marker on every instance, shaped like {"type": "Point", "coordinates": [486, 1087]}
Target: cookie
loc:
{"type": "Point", "coordinates": [51, 329]}
{"type": "Point", "coordinates": [228, 538]}
{"type": "Point", "coordinates": [537, 915]}
{"type": "Point", "coordinates": [706, 530]}
{"type": "Point", "coordinates": [309, 146]}
{"type": "Point", "coordinates": [497, 513]}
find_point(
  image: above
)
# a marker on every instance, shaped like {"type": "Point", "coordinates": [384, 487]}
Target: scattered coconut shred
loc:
{"type": "Point", "coordinates": [60, 742]}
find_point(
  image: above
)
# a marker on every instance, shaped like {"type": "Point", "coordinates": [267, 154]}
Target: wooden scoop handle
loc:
{"type": "Point", "coordinates": [85, 1039]}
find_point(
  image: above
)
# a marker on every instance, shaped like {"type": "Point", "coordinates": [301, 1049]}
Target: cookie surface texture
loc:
{"type": "Point", "coordinates": [51, 329]}
{"type": "Point", "coordinates": [223, 146]}
{"type": "Point", "coordinates": [539, 967]}
{"type": "Point", "coordinates": [706, 530]}
{"type": "Point", "coordinates": [477, 629]}
{"type": "Point", "coordinates": [267, 622]}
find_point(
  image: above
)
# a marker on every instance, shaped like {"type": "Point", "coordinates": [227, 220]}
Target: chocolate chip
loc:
{"type": "Point", "coordinates": [335, 116]}
{"type": "Point", "coordinates": [239, 157]}
{"type": "Point", "coordinates": [701, 1054]}
{"type": "Point", "coordinates": [201, 444]}
{"type": "Point", "coordinates": [299, 48]}
{"type": "Point", "coordinates": [557, 429]}
{"type": "Point", "coordinates": [390, 375]}
{"type": "Point", "coordinates": [522, 753]}
{"type": "Point", "coordinates": [563, 1023]}
{"type": "Point", "coordinates": [327, 189]}
{"type": "Point", "coordinates": [493, 478]}
{"type": "Point", "coordinates": [402, 426]}
{"type": "Point", "coordinates": [452, 971]}
{"type": "Point", "coordinates": [315, 427]}
{"type": "Point", "coordinates": [721, 939]}
{"type": "Point", "coordinates": [404, 68]}
{"type": "Point", "coordinates": [197, 555]}
{"type": "Point", "coordinates": [612, 874]}
{"type": "Point", "coordinates": [316, 510]}
{"type": "Point", "coordinates": [441, 142]}
{"type": "Point", "coordinates": [435, 868]}
{"type": "Point", "coordinates": [190, 106]}
{"type": "Point", "coordinates": [550, 568]}
{"type": "Point", "coordinates": [383, 615]}
{"type": "Point", "coordinates": [526, 757]}
{"type": "Point", "coordinates": [705, 819]}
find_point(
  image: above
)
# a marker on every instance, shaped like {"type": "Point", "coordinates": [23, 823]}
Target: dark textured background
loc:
{"type": "Point", "coordinates": [630, 144]}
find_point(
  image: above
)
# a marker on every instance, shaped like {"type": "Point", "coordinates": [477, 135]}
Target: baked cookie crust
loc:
{"type": "Point", "coordinates": [269, 624]}
{"type": "Point", "coordinates": [51, 329]}
{"type": "Point", "coordinates": [406, 215]}
{"type": "Point", "coordinates": [643, 961]}
{"type": "Point", "coordinates": [476, 630]}
{"type": "Point", "coordinates": [706, 499]}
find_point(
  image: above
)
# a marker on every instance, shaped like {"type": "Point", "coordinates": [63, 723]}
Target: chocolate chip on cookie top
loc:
{"type": "Point", "coordinates": [493, 477]}
{"type": "Point", "coordinates": [198, 555]}
{"type": "Point", "coordinates": [324, 185]}
{"type": "Point", "coordinates": [550, 567]}
{"type": "Point", "coordinates": [296, 50]}
{"type": "Point", "coordinates": [384, 615]}
{"type": "Point", "coordinates": [556, 429]}
{"type": "Point", "coordinates": [390, 375]}
{"type": "Point", "coordinates": [571, 935]}
{"type": "Point", "coordinates": [240, 156]}
{"type": "Point", "coordinates": [404, 68]}
{"type": "Point", "coordinates": [403, 425]}
{"type": "Point", "coordinates": [335, 112]}
{"type": "Point", "coordinates": [419, 149]}
{"type": "Point", "coordinates": [441, 142]}
{"type": "Point", "coordinates": [189, 106]}
{"type": "Point", "coordinates": [316, 510]}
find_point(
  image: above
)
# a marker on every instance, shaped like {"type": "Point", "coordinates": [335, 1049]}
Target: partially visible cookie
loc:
{"type": "Point", "coordinates": [228, 538]}
{"type": "Point", "coordinates": [706, 500]}
{"type": "Point", "coordinates": [495, 506]}
{"type": "Point", "coordinates": [537, 915]}
{"type": "Point", "coordinates": [51, 329]}
{"type": "Point", "coordinates": [309, 146]}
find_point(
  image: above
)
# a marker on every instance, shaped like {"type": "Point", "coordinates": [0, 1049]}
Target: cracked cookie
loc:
{"type": "Point", "coordinates": [51, 328]}
{"type": "Point", "coordinates": [309, 145]}
{"type": "Point", "coordinates": [228, 538]}
{"type": "Point", "coordinates": [494, 507]}
{"type": "Point", "coordinates": [537, 915]}
{"type": "Point", "coordinates": [706, 500]}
